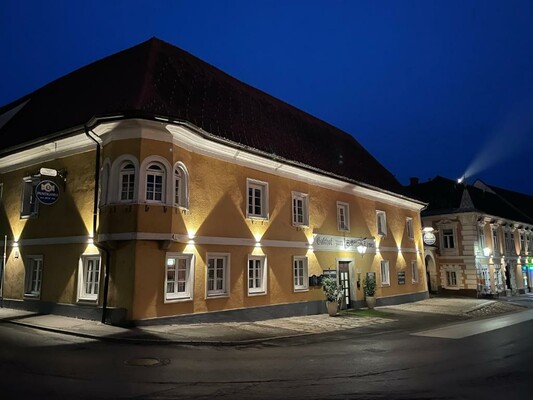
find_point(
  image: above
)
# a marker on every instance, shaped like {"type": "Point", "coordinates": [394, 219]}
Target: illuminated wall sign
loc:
{"type": "Point", "coordinates": [429, 238]}
{"type": "Point", "coordinates": [340, 243]}
{"type": "Point", "coordinates": [47, 192]}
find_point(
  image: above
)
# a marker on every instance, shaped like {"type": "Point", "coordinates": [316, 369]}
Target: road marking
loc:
{"type": "Point", "coordinates": [472, 328]}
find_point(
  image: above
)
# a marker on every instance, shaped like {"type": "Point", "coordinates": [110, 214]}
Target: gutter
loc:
{"type": "Point", "coordinates": [95, 219]}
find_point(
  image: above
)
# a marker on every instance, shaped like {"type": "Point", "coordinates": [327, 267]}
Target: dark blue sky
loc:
{"type": "Point", "coordinates": [428, 87]}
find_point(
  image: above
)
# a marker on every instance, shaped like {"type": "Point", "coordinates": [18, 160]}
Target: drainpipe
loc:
{"type": "Point", "coordinates": [95, 218]}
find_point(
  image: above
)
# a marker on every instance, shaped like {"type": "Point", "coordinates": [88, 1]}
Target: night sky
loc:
{"type": "Point", "coordinates": [428, 87]}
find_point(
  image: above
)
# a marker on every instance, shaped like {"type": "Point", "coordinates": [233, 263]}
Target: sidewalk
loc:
{"type": "Point", "coordinates": [234, 333]}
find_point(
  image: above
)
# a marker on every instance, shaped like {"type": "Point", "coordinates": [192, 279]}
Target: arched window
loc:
{"type": "Point", "coordinates": [155, 179]}
{"type": "Point", "coordinates": [127, 181]}
{"type": "Point", "coordinates": [181, 186]}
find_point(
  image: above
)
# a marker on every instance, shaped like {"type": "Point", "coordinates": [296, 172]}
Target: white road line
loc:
{"type": "Point", "coordinates": [471, 328]}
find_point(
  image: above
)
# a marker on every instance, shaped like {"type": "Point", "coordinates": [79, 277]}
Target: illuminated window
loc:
{"type": "Point", "coordinates": [409, 228]}
{"type": "Point", "coordinates": [179, 276]}
{"type": "Point", "coordinates": [385, 273]}
{"type": "Point", "coordinates": [256, 275]}
{"type": "Point", "coordinates": [414, 271]}
{"type": "Point", "coordinates": [181, 186]}
{"type": "Point", "coordinates": [300, 209]}
{"type": "Point", "coordinates": [451, 278]}
{"type": "Point", "coordinates": [381, 222]}
{"type": "Point", "coordinates": [481, 237]}
{"type": "Point", "coordinates": [34, 276]}
{"type": "Point", "coordinates": [257, 199]}
{"type": "Point", "coordinates": [127, 181]}
{"type": "Point", "coordinates": [217, 274]}
{"type": "Point", "coordinates": [155, 179]}
{"type": "Point", "coordinates": [301, 277]}
{"type": "Point", "coordinates": [30, 205]}
{"type": "Point", "coordinates": [89, 277]}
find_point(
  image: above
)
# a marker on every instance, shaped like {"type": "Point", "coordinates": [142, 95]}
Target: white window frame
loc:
{"type": "Point", "coordinates": [300, 202]}
{"type": "Point", "coordinates": [29, 205]}
{"type": "Point", "coordinates": [181, 186]}
{"type": "Point", "coordinates": [481, 238]}
{"type": "Point", "coordinates": [130, 184]}
{"type": "Point", "coordinates": [343, 216]}
{"type": "Point", "coordinates": [451, 279]}
{"type": "Point", "coordinates": [260, 289]}
{"type": "Point", "coordinates": [381, 222]}
{"type": "Point", "coordinates": [171, 263]}
{"type": "Point", "coordinates": [448, 244]}
{"type": "Point", "coordinates": [158, 174]}
{"type": "Point", "coordinates": [252, 184]}
{"type": "Point", "coordinates": [385, 272]}
{"type": "Point", "coordinates": [215, 292]}
{"type": "Point", "coordinates": [83, 279]}
{"type": "Point", "coordinates": [409, 228]}
{"type": "Point", "coordinates": [414, 271]}
{"type": "Point", "coordinates": [300, 273]}
{"type": "Point", "coordinates": [33, 287]}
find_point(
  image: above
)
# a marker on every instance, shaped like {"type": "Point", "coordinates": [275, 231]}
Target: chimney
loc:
{"type": "Point", "coordinates": [413, 181]}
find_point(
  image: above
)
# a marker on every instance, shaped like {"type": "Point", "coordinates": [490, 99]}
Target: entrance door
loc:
{"type": "Point", "coordinates": [344, 281]}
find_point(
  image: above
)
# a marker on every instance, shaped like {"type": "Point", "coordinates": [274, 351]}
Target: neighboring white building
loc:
{"type": "Point", "coordinates": [483, 243]}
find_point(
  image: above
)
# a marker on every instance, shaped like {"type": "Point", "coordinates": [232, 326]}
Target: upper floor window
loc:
{"type": "Point", "coordinates": [104, 185]}
{"type": "Point", "coordinates": [481, 237]}
{"type": "Point", "coordinates": [300, 273]}
{"type": "Point", "coordinates": [257, 199]}
{"type": "Point", "coordinates": [409, 228]}
{"type": "Point", "coordinates": [34, 276]}
{"type": "Point", "coordinates": [155, 183]}
{"type": "Point", "coordinates": [495, 242]}
{"type": "Point", "coordinates": [343, 216]}
{"type": "Point", "coordinates": [179, 276]}
{"type": "Point", "coordinates": [181, 186]}
{"type": "Point", "coordinates": [522, 242]}
{"type": "Point", "coordinates": [300, 209]}
{"type": "Point", "coordinates": [1, 191]}
{"type": "Point", "coordinates": [29, 205]}
{"type": "Point", "coordinates": [217, 274]}
{"type": "Point", "coordinates": [127, 181]}
{"type": "Point", "coordinates": [448, 238]}
{"type": "Point", "coordinates": [381, 221]}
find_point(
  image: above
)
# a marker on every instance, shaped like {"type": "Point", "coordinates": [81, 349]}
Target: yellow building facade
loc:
{"type": "Point", "coordinates": [136, 218]}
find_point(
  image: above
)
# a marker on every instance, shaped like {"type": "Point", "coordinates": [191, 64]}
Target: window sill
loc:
{"type": "Point", "coordinates": [385, 285]}
{"type": "Point", "coordinates": [256, 218]}
{"type": "Point", "coordinates": [177, 300]}
{"type": "Point", "coordinates": [301, 290]}
{"type": "Point", "coordinates": [32, 296]}
{"type": "Point", "coordinates": [253, 294]}
{"type": "Point", "coordinates": [87, 301]}
{"type": "Point", "coordinates": [217, 296]}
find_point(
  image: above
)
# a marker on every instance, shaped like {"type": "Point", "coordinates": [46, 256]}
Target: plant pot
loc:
{"type": "Point", "coordinates": [370, 301]}
{"type": "Point", "coordinates": [333, 308]}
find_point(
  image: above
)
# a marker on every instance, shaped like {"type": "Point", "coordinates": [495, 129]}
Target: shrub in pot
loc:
{"type": "Point", "coordinates": [334, 293]}
{"type": "Point", "coordinates": [369, 288]}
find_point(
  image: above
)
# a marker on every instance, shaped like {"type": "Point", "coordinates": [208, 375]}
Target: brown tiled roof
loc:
{"type": "Point", "coordinates": [155, 78]}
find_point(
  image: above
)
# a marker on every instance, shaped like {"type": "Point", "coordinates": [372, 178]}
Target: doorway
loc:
{"type": "Point", "coordinates": [344, 281]}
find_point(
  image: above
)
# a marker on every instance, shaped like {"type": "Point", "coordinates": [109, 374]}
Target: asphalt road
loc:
{"type": "Point", "coordinates": [350, 365]}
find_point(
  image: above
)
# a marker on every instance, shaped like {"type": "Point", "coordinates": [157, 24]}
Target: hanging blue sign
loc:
{"type": "Point", "coordinates": [47, 192]}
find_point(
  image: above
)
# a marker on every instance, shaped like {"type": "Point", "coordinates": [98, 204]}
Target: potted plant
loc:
{"type": "Point", "coordinates": [334, 293]}
{"type": "Point", "coordinates": [369, 288]}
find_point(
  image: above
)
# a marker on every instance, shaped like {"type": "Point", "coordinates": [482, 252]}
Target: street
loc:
{"type": "Point", "coordinates": [355, 364]}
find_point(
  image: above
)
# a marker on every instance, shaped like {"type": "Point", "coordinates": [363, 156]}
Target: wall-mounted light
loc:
{"type": "Point", "coordinates": [16, 249]}
{"type": "Point", "coordinates": [486, 251]}
{"type": "Point", "coordinates": [362, 246]}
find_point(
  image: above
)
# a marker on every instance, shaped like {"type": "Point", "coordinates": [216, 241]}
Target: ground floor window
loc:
{"type": "Point", "coordinates": [34, 276]}
{"type": "Point", "coordinates": [385, 273]}
{"type": "Point", "coordinates": [217, 274]}
{"type": "Point", "coordinates": [301, 277]}
{"type": "Point", "coordinates": [89, 277]}
{"type": "Point", "coordinates": [179, 276]}
{"type": "Point", "coordinates": [451, 278]}
{"type": "Point", "coordinates": [256, 275]}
